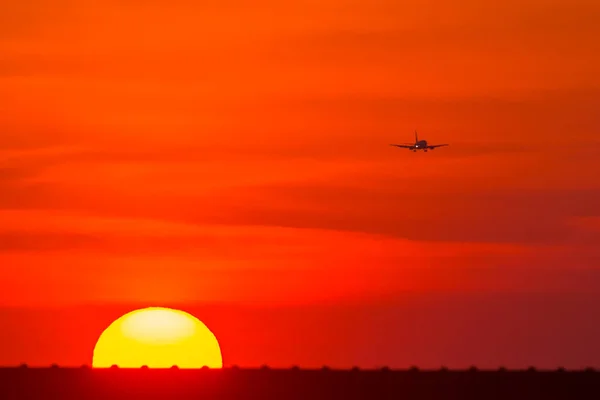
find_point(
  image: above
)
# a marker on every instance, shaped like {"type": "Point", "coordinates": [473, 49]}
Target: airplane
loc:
{"type": "Point", "coordinates": [418, 145]}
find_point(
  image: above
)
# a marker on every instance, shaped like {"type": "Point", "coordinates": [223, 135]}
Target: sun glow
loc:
{"type": "Point", "coordinates": [157, 338]}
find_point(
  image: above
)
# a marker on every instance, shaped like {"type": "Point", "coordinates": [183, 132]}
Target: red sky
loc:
{"type": "Point", "coordinates": [233, 159]}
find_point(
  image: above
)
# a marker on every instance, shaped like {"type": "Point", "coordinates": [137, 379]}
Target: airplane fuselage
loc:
{"type": "Point", "coordinates": [420, 145]}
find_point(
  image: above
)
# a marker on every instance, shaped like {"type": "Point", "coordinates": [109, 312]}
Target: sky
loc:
{"type": "Point", "coordinates": [232, 159]}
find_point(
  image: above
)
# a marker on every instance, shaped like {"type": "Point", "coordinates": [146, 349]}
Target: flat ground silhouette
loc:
{"type": "Point", "coordinates": [295, 383]}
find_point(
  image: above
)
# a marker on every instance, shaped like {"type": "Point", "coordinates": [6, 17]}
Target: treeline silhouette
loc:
{"type": "Point", "coordinates": [266, 383]}
{"type": "Point", "coordinates": [327, 368]}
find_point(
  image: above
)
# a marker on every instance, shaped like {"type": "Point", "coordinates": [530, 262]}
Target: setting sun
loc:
{"type": "Point", "coordinates": [157, 338]}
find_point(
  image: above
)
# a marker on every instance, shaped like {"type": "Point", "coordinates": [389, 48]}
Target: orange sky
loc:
{"type": "Point", "coordinates": [237, 153]}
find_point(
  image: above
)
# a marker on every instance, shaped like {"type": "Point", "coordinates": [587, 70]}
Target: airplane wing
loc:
{"type": "Point", "coordinates": [404, 146]}
{"type": "Point", "coordinates": [437, 145]}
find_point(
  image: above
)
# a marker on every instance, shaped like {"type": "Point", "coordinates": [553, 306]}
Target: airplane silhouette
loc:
{"type": "Point", "coordinates": [418, 145]}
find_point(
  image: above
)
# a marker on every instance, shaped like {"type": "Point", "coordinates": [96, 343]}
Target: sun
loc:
{"type": "Point", "coordinates": [157, 337]}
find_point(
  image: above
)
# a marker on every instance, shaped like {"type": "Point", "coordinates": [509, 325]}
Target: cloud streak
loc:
{"type": "Point", "coordinates": [277, 117]}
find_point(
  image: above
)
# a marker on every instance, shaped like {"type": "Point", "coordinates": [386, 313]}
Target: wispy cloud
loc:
{"type": "Point", "coordinates": [276, 117]}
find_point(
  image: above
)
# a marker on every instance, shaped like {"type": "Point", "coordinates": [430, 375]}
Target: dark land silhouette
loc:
{"type": "Point", "coordinates": [294, 383]}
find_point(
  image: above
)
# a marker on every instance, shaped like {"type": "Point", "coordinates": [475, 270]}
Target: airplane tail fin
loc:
{"type": "Point", "coordinates": [416, 136]}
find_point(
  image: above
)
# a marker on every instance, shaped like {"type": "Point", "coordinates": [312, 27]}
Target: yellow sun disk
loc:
{"type": "Point", "coordinates": [158, 338]}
